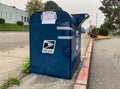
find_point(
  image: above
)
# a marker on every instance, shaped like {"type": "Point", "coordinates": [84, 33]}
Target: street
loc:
{"type": "Point", "coordinates": [105, 64]}
{"type": "Point", "coordinates": [10, 40]}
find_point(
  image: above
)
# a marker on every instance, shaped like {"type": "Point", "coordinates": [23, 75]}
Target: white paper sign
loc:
{"type": "Point", "coordinates": [49, 17]}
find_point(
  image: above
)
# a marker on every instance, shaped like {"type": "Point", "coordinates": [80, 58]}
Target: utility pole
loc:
{"type": "Point", "coordinates": [96, 19]}
{"type": "Point", "coordinates": [89, 26]}
{"type": "Point", "coordinates": [90, 22]}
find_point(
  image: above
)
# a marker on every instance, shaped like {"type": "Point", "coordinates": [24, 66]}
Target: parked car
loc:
{"type": "Point", "coordinates": [92, 35]}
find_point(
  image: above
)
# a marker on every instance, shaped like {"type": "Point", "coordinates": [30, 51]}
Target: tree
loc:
{"type": "Point", "coordinates": [111, 9]}
{"type": "Point", "coordinates": [50, 5]}
{"type": "Point", "coordinates": [33, 6]}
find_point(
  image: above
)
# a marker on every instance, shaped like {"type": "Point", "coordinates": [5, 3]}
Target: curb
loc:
{"type": "Point", "coordinates": [81, 82]}
{"type": "Point", "coordinates": [102, 38]}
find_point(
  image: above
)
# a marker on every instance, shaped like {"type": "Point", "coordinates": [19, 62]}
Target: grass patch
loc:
{"type": "Point", "coordinates": [26, 66]}
{"type": "Point", "coordinates": [13, 27]}
{"type": "Point", "coordinates": [10, 82]}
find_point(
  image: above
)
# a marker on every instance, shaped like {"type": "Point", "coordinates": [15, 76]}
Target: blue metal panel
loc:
{"type": "Point", "coordinates": [62, 36]}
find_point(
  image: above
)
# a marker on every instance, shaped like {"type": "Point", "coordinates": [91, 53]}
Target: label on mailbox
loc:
{"type": "Point", "coordinates": [49, 46]}
{"type": "Point", "coordinates": [48, 17]}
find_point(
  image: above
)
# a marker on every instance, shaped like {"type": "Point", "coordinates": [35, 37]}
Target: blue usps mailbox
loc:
{"type": "Point", "coordinates": [55, 43]}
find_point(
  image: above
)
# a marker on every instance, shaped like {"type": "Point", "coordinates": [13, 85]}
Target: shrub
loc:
{"type": "Point", "coordinates": [95, 30]}
{"type": "Point", "coordinates": [118, 33]}
{"type": "Point", "coordinates": [114, 33]}
{"type": "Point", "coordinates": [26, 66]}
{"type": "Point", "coordinates": [104, 32]}
{"type": "Point", "coordinates": [19, 23]}
{"type": "Point", "coordinates": [2, 21]}
{"type": "Point", "coordinates": [82, 30]}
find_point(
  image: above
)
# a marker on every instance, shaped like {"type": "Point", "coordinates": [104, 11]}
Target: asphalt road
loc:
{"type": "Point", "coordinates": [105, 65]}
{"type": "Point", "coordinates": [10, 40]}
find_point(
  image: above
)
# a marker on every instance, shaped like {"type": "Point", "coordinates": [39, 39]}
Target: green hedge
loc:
{"type": "Point", "coordinates": [100, 31]}
{"type": "Point", "coordinates": [116, 33]}
{"type": "Point", "coordinates": [13, 27]}
{"type": "Point", "coordinates": [20, 23]}
{"type": "Point", "coordinates": [2, 21]}
{"type": "Point", "coordinates": [104, 31]}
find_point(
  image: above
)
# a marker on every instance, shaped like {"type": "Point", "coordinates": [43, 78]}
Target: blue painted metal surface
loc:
{"type": "Point", "coordinates": [55, 48]}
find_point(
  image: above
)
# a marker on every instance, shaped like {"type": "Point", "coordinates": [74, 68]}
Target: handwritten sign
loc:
{"type": "Point", "coordinates": [49, 17]}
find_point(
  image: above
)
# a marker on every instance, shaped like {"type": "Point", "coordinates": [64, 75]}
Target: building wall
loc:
{"type": "Point", "coordinates": [12, 14]}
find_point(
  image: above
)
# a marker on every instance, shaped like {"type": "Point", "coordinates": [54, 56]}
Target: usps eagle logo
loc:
{"type": "Point", "coordinates": [49, 46]}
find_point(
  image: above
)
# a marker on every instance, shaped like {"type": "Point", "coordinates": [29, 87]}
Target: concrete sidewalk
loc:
{"type": "Point", "coordinates": [12, 60]}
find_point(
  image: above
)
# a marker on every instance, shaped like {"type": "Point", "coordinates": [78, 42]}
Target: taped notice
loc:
{"type": "Point", "coordinates": [48, 46]}
{"type": "Point", "coordinates": [48, 17]}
